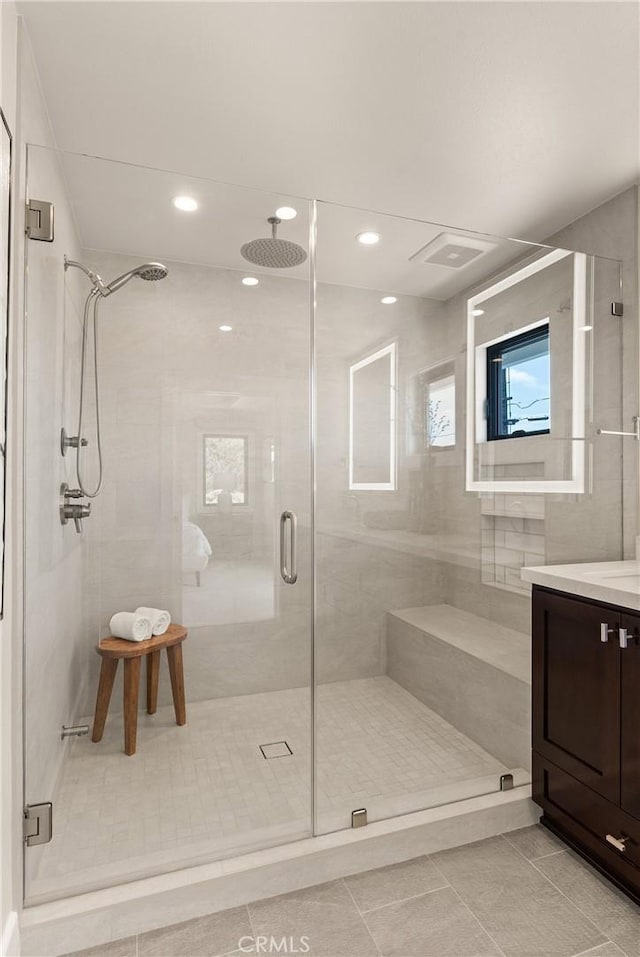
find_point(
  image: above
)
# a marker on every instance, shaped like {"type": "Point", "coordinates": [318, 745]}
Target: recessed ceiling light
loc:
{"type": "Point", "coordinates": [250, 281]}
{"type": "Point", "coordinates": [388, 300]}
{"type": "Point", "coordinates": [185, 203]}
{"type": "Point", "coordinates": [286, 212]}
{"type": "Point", "coordinates": [477, 312]}
{"type": "Point", "coordinates": [368, 239]}
{"type": "Point", "coordinates": [225, 328]}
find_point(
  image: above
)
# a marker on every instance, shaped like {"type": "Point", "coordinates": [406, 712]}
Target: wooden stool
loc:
{"type": "Point", "coordinates": [111, 650]}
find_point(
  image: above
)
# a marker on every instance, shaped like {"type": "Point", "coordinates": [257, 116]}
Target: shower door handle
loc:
{"type": "Point", "coordinates": [289, 572]}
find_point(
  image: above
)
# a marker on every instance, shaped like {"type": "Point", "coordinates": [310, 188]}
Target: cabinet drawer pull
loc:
{"type": "Point", "coordinates": [605, 631]}
{"type": "Point", "coordinates": [625, 637]}
{"type": "Point", "coordinates": [618, 842]}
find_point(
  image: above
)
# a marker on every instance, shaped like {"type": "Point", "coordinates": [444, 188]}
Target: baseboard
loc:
{"type": "Point", "coordinates": [88, 920]}
{"type": "Point", "coordinates": [10, 943]}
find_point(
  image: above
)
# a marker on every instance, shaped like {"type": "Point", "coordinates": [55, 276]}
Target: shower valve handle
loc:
{"type": "Point", "coordinates": [84, 512]}
{"type": "Point", "coordinates": [73, 511]}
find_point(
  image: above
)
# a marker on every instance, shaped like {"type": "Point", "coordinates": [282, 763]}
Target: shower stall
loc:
{"type": "Point", "coordinates": [330, 469]}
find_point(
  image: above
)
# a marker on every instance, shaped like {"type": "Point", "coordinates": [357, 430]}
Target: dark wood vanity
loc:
{"type": "Point", "coordinates": [586, 729]}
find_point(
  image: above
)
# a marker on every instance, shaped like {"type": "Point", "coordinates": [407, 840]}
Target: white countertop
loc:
{"type": "Point", "coordinates": [617, 583]}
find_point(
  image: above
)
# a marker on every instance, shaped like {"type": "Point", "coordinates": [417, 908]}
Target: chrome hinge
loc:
{"type": "Point", "coordinates": [40, 220]}
{"type": "Point", "coordinates": [506, 782]}
{"type": "Point", "coordinates": [359, 817]}
{"type": "Point", "coordinates": [37, 827]}
{"type": "Point", "coordinates": [617, 309]}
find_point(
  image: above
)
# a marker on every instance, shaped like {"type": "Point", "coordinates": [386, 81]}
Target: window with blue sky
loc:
{"type": "Point", "coordinates": [519, 385]}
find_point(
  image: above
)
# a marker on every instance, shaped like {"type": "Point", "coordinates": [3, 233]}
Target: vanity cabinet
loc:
{"type": "Point", "coordinates": [586, 728]}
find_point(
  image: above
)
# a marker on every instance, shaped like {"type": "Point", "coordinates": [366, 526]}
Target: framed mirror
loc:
{"type": "Point", "coordinates": [372, 421]}
{"type": "Point", "coordinates": [526, 378]}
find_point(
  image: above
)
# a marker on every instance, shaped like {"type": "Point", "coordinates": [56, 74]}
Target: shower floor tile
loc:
{"type": "Point", "coordinates": [205, 791]}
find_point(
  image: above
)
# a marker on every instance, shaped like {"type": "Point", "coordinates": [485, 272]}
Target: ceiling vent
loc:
{"type": "Point", "coordinates": [453, 251]}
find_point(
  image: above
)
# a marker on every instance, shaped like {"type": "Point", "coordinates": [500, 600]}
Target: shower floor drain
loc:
{"type": "Point", "coordinates": [277, 749]}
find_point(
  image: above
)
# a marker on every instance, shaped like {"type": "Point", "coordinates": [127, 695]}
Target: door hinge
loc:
{"type": "Point", "coordinates": [617, 309]}
{"type": "Point", "coordinates": [40, 220]}
{"type": "Point", "coordinates": [359, 817]}
{"type": "Point", "coordinates": [37, 826]}
{"type": "Point", "coordinates": [506, 782]}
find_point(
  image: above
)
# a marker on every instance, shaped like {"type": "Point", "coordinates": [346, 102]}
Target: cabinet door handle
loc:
{"type": "Point", "coordinates": [605, 631]}
{"type": "Point", "coordinates": [625, 637]}
{"type": "Point", "coordinates": [618, 842]}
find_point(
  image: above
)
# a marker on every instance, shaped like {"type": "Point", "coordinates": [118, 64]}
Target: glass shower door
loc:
{"type": "Point", "coordinates": [205, 511]}
{"type": "Point", "coordinates": [424, 519]}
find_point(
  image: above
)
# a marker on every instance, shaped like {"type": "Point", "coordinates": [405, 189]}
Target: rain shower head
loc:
{"type": "Point", "coordinates": [273, 253]}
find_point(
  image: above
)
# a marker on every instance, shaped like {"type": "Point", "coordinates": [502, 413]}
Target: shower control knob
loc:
{"type": "Point", "coordinates": [72, 511]}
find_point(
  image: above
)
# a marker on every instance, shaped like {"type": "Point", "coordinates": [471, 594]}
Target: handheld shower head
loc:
{"type": "Point", "coordinates": [151, 272]}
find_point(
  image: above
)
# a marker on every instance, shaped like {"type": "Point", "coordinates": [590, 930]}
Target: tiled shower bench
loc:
{"type": "Point", "coordinates": [472, 672]}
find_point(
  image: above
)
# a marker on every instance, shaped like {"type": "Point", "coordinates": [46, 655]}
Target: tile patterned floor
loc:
{"type": "Point", "coordinates": [208, 792]}
{"type": "Point", "coordinates": [522, 894]}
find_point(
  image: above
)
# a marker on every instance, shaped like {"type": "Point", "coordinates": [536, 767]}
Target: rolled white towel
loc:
{"type": "Point", "coordinates": [160, 620]}
{"type": "Point", "coordinates": [130, 625]}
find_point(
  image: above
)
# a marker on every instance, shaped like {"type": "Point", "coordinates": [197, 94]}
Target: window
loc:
{"type": "Point", "coordinates": [440, 412]}
{"type": "Point", "coordinates": [225, 469]}
{"type": "Point", "coordinates": [518, 385]}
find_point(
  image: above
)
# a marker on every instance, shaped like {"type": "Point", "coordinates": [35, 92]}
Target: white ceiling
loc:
{"type": "Point", "coordinates": [129, 209]}
{"type": "Point", "coordinates": [512, 118]}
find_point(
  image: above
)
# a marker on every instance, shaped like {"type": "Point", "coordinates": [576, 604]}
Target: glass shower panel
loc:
{"type": "Point", "coordinates": [424, 520]}
{"type": "Point", "coordinates": [204, 409]}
